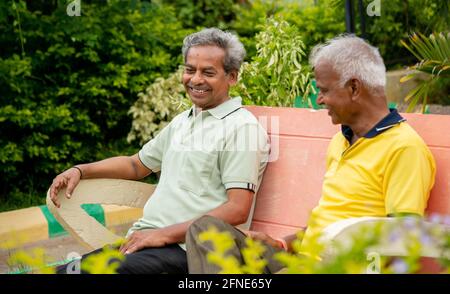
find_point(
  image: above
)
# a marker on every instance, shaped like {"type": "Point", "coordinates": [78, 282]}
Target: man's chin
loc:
{"type": "Point", "coordinates": [199, 102]}
{"type": "Point", "coordinates": [335, 120]}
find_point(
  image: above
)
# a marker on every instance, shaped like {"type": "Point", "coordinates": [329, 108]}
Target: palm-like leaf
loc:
{"type": "Point", "coordinates": [433, 53]}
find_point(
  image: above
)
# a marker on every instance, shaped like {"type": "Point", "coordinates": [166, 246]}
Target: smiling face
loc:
{"type": "Point", "coordinates": [204, 77]}
{"type": "Point", "coordinates": [337, 99]}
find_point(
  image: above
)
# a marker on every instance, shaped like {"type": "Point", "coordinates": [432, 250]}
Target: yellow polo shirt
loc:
{"type": "Point", "coordinates": [389, 170]}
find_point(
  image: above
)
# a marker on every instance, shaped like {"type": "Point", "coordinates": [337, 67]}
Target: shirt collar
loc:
{"type": "Point", "coordinates": [224, 109]}
{"type": "Point", "coordinates": [390, 120]}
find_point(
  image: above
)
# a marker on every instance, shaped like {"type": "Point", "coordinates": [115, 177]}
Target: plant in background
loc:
{"type": "Point", "coordinates": [317, 21]}
{"type": "Point", "coordinates": [275, 76]}
{"type": "Point", "coordinates": [250, 19]}
{"type": "Point", "coordinates": [433, 53]}
{"type": "Point", "coordinates": [157, 106]}
{"type": "Point", "coordinates": [203, 13]}
{"type": "Point", "coordinates": [68, 83]}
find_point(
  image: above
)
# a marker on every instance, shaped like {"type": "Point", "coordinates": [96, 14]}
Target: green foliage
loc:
{"type": "Point", "coordinates": [68, 82]}
{"type": "Point", "coordinates": [320, 20]}
{"type": "Point", "coordinates": [398, 19]}
{"type": "Point", "coordinates": [203, 13]}
{"type": "Point", "coordinates": [250, 19]}
{"type": "Point", "coordinates": [316, 23]}
{"type": "Point", "coordinates": [433, 53]}
{"type": "Point", "coordinates": [275, 76]}
{"type": "Point", "coordinates": [157, 106]}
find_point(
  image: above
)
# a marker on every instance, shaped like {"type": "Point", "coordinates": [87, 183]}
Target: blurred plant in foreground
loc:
{"type": "Point", "coordinates": [367, 250]}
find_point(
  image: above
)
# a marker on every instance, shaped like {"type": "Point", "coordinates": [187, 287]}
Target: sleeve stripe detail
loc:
{"type": "Point", "coordinates": [247, 186]}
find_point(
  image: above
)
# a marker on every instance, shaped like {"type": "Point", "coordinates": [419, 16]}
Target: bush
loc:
{"type": "Point", "coordinates": [68, 82]}
{"type": "Point", "coordinates": [203, 13]}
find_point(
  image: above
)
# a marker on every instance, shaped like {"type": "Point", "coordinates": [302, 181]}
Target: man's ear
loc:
{"type": "Point", "coordinates": [232, 77]}
{"type": "Point", "coordinates": [355, 88]}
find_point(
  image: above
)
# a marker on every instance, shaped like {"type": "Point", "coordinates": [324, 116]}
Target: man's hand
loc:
{"type": "Point", "coordinates": [262, 237]}
{"type": "Point", "coordinates": [144, 239]}
{"type": "Point", "coordinates": [70, 179]}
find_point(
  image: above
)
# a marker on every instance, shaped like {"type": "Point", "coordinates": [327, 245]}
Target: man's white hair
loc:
{"type": "Point", "coordinates": [352, 57]}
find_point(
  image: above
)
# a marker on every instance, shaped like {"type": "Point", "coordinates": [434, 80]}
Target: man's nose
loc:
{"type": "Point", "coordinates": [197, 78]}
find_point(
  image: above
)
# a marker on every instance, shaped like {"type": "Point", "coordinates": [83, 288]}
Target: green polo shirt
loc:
{"type": "Point", "coordinates": [200, 157]}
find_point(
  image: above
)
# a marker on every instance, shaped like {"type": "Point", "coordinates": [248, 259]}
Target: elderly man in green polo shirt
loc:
{"type": "Point", "coordinates": [211, 160]}
{"type": "Point", "coordinates": [377, 166]}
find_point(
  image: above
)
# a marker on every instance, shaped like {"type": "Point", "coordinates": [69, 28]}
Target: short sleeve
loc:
{"type": "Point", "coordinates": [244, 158]}
{"type": "Point", "coordinates": [408, 180]}
{"type": "Point", "coordinates": [151, 154]}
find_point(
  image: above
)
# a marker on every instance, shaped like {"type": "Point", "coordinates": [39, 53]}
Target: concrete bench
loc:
{"type": "Point", "coordinates": [291, 186]}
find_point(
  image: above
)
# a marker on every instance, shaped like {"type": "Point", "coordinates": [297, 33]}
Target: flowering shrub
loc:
{"type": "Point", "coordinates": [157, 106]}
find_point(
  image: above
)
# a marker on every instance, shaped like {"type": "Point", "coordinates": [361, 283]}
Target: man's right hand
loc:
{"type": "Point", "coordinates": [70, 179]}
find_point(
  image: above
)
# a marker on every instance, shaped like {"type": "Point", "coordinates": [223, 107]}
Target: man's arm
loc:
{"type": "Point", "coordinates": [235, 212]}
{"type": "Point", "coordinates": [408, 180]}
{"type": "Point", "coordinates": [120, 167]}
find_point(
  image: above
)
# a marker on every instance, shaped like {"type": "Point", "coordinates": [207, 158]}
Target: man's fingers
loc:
{"type": "Point", "coordinates": [125, 247]}
{"type": "Point", "coordinates": [130, 245]}
{"type": "Point", "coordinates": [54, 196]}
{"type": "Point", "coordinates": [121, 247]}
{"type": "Point", "coordinates": [70, 186]}
{"type": "Point", "coordinates": [133, 248]}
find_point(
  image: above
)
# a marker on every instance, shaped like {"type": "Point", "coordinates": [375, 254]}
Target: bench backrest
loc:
{"type": "Point", "coordinates": [292, 184]}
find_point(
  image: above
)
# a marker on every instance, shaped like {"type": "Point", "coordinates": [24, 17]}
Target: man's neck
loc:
{"type": "Point", "coordinates": [197, 110]}
{"type": "Point", "coordinates": [366, 121]}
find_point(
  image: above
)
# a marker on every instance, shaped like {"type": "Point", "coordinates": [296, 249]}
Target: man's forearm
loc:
{"type": "Point", "coordinates": [120, 167]}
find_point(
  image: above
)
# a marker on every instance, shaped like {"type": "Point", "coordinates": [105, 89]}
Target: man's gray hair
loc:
{"type": "Point", "coordinates": [234, 50]}
{"type": "Point", "coordinates": [352, 57]}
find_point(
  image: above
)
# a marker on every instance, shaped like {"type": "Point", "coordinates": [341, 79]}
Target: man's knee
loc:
{"type": "Point", "coordinates": [202, 224]}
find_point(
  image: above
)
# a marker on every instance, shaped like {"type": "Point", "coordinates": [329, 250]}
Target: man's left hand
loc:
{"type": "Point", "coordinates": [143, 239]}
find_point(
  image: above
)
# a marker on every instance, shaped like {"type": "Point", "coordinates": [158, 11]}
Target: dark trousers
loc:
{"type": "Point", "coordinates": [170, 259]}
{"type": "Point", "coordinates": [197, 251]}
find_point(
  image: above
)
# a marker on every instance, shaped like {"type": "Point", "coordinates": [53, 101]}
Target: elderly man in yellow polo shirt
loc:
{"type": "Point", "coordinates": [211, 159]}
{"type": "Point", "coordinates": [376, 166]}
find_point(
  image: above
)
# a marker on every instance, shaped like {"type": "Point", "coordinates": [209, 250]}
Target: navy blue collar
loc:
{"type": "Point", "coordinates": [390, 120]}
